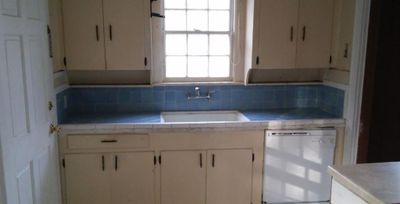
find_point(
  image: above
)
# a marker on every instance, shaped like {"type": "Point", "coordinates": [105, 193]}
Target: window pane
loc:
{"type": "Point", "coordinates": [175, 44]}
{"type": "Point", "coordinates": [197, 20]}
{"type": "Point", "coordinates": [197, 4]}
{"type": "Point", "coordinates": [174, 4]}
{"type": "Point", "coordinates": [219, 45]}
{"type": "Point", "coordinates": [219, 21]}
{"type": "Point", "coordinates": [219, 66]}
{"type": "Point", "coordinates": [175, 20]}
{"type": "Point", "coordinates": [198, 44]}
{"type": "Point", "coordinates": [219, 4]}
{"type": "Point", "coordinates": [175, 66]}
{"type": "Point", "coordinates": [198, 67]}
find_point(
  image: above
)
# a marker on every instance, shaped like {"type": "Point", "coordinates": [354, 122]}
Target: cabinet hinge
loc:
{"type": "Point", "coordinates": [63, 163]}
{"type": "Point", "coordinates": [145, 61]}
{"type": "Point", "coordinates": [252, 157]}
{"type": "Point", "coordinates": [65, 61]}
{"type": "Point", "coordinates": [155, 160]}
{"type": "Point", "coordinates": [159, 159]}
{"type": "Point", "coordinates": [257, 60]}
{"type": "Point", "coordinates": [330, 59]}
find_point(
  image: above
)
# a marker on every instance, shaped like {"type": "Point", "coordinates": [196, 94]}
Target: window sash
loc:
{"type": "Point", "coordinates": [187, 33]}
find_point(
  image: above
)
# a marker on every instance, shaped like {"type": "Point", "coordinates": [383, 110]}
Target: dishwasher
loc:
{"type": "Point", "coordinates": [296, 164]}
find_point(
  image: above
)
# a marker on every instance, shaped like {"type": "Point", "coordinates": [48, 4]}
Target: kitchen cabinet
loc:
{"type": "Point", "coordinates": [87, 179]}
{"type": "Point", "coordinates": [343, 34]}
{"type": "Point", "coordinates": [212, 176]}
{"type": "Point", "coordinates": [288, 34]}
{"type": "Point", "coordinates": [278, 29]}
{"type": "Point", "coordinates": [107, 34]}
{"type": "Point", "coordinates": [229, 174]}
{"type": "Point", "coordinates": [175, 167]}
{"type": "Point", "coordinates": [183, 177]}
{"type": "Point", "coordinates": [315, 34]}
{"type": "Point", "coordinates": [83, 34]}
{"type": "Point", "coordinates": [110, 178]}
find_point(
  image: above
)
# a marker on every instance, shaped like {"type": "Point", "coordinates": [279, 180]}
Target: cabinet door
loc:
{"type": "Point", "coordinates": [84, 39]}
{"type": "Point", "coordinates": [132, 178]}
{"type": "Point", "coordinates": [345, 37]}
{"type": "Point", "coordinates": [277, 35]}
{"type": "Point", "coordinates": [87, 179]}
{"type": "Point", "coordinates": [183, 177]}
{"type": "Point", "coordinates": [126, 23]}
{"type": "Point", "coordinates": [315, 33]}
{"type": "Point", "coordinates": [229, 176]}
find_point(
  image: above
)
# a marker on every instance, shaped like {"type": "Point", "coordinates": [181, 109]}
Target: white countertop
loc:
{"type": "Point", "coordinates": [375, 182]}
{"type": "Point", "coordinates": [146, 127]}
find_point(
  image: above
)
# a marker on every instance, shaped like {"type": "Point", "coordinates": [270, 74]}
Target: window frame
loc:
{"type": "Point", "coordinates": [230, 33]}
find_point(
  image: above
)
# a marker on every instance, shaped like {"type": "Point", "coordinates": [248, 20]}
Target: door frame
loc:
{"type": "Point", "coordinates": [355, 91]}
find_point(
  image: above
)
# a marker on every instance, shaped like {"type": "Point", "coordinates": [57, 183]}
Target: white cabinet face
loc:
{"type": "Point", "coordinates": [84, 36]}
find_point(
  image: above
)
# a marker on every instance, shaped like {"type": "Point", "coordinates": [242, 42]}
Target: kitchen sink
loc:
{"type": "Point", "coordinates": [202, 116]}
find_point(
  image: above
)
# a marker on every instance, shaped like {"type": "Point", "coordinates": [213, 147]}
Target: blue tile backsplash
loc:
{"type": "Point", "coordinates": [174, 98]}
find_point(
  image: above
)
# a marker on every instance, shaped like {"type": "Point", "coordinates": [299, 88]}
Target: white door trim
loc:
{"type": "Point", "coordinates": [354, 101]}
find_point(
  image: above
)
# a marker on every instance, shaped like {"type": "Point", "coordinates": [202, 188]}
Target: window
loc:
{"type": "Point", "coordinates": [198, 39]}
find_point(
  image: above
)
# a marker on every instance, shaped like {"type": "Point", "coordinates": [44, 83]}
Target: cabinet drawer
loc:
{"type": "Point", "coordinates": [108, 141]}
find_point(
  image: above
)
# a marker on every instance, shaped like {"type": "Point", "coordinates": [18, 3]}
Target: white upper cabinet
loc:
{"type": "Point", "coordinates": [278, 29]}
{"type": "Point", "coordinates": [84, 36]}
{"type": "Point", "coordinates": [288, 34]}
{"type": "Point", "coordinates": [315, 33]}
{"type": "Point", "coordinates": [343, 34]}
{"type": "Point", "coordinates": [126, 24]}
{"type": "Point", "coordinates": [107, 34]}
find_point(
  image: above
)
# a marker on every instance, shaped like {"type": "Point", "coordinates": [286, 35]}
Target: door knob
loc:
{"type": "Point", "coordinates": [54, 129]}
{"type": "Point", "coordinates": [50, 105]}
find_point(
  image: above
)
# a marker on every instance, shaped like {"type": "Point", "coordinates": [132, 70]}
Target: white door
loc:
{"type": "Point", "coordinates": [28, 151]}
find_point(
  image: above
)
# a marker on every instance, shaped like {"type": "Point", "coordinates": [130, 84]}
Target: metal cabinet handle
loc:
{"type": "Point", "coordinates": [103, 166]}
{"type": "Point", "coordinates": [291, 33]}
{"type": "Point", "coordinates": [116, 162]}
{"type": "Point", "coordinates": [304, 33]}
{"type": "Point", "coordinates": [97, 33]}
{"type": "Point", "coordinates": [109, 141]}
{"type": "Point", "coordinates": [346, 50]}
{"type": "Point", "coordinates": [213, 160]}
{"type": "Point", "coordinates": [201, 160]}
{"type": "Point", "coordinates": [111, 32]}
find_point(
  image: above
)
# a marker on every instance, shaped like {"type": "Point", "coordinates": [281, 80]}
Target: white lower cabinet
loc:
{"type": "Point", "coordinates": [110, 178]}
{"type": "Point", "coordinates": [341, 195]}
{"type": "Point", "coordinates": [183, 177]}
{"type": "Point", "coordinates": [162, 168]}
{"type": "Point", "coordinates": [211, 176]}
{"type": "Point", "coordinates": [86, 179]}
{"type": "Point", "coordinates": [229, 176]}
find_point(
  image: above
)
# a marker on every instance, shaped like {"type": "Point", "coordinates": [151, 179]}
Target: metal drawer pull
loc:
{"type": "Point", "coordinates": [213, 160]}
{"type": "Point", "coordinates": [291, 34]}
{"type": "Point", "coordinates": [116, 163]}
{"type": "Point", "coordinates": [109, 141]}
{"type": "Point", "coordinates": [201, 160]}
{"type": "Point", "coordinates": [304, 33]}
{"type": "Point", "coordinates": [97, 33]}
{"type": "Point", "coordinates": [102, 163]}
{"type": "Point", "coordinates": [111, 32]}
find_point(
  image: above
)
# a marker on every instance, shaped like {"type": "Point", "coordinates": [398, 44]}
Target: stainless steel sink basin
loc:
{"type": "Point", "coordinates": [202, 116]}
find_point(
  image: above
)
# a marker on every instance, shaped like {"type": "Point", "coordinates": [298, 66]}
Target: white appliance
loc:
{"type": "Point", "coordinates": [296, 165]}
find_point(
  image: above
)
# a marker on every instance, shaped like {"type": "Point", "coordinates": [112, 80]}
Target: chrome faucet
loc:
{"type": "Point", "coordinates": [198, 94]}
